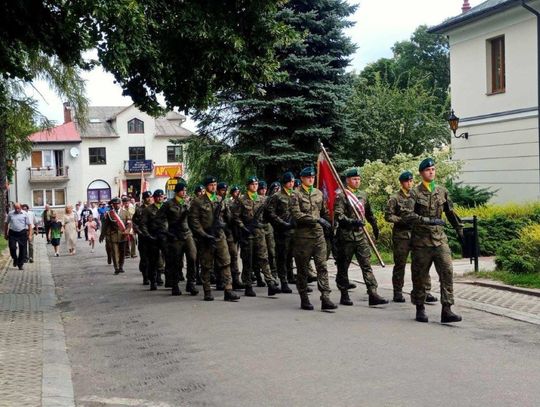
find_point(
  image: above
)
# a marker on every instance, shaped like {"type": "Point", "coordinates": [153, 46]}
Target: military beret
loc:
{"type": "Point", "coordinates": [297, 182]}
{"type": "Point", "coordinates": [115, 201]}
{"type": "Point", "coordinates": [352, 172]}
{"type": "Point", "coordinates": [262, 184]}
{"type": "Point", "coordinates": [235, 188]}
{"type": "Point", "coordinates": [308, 172]}
{"type": "Point", "coordinates": [198, 188]}
{"type": "Point", "coordinates": [275, 185]}
{"type": "Point", "coordinates": [222, 185]}
{"type": "Point", "coordinates": [158, 192]}
{"type": "Point", "coordinates": [251, 180]}
{"type": "Point", "coordinates": [146, 194]}
{"type": "Point", "coordinates": [428, 162]}
{"type": "Point", "coordinates": [209, 180]}
{"type": "Point", "coordinates": [287, 177]}
{"type": "Point", "coordinates": [179, 187]}
{"type": "Point", "coordinates": [405, 176]}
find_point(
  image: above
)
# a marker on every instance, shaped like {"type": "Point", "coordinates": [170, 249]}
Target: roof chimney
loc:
{"type": "Point", "coordinates": [67, 113]}
{"type": "Point", "coordinates": [466, 6]}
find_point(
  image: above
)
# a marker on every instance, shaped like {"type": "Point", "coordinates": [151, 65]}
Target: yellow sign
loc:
{"type": "Point", "coordinates": [171, 171]}
{"type": "Point", "coordinates": [171, 183]}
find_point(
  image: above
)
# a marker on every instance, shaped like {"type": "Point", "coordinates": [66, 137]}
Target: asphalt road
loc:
{"type": "Point", "coordinates": [130, 346]}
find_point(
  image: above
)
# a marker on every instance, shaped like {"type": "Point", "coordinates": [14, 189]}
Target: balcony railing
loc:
{"type": "Point", "coordinates": [49, 174]}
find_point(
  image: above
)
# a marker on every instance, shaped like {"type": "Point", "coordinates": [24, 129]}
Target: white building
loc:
{"type": "Point", "coordinates": [70, 164]}
{"type": "Point", "coordinates": [494, 80]}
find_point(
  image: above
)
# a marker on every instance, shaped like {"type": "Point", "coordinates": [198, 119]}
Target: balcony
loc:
{"type": "Point", "coordinates": [49, 174]}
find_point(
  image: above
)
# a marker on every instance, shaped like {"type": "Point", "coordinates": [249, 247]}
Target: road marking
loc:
{"type": "Point", "coordinates": [119, 401]}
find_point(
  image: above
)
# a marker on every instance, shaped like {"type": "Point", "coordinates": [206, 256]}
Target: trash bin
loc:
{"type": "Point", "coordinates": [471, 246]}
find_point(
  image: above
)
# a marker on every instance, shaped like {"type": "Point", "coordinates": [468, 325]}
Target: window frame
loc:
{"type": "Point", "coordinates": [174, 147]}
{"type": "Point", "coordinates": [95, 156]}
{"type": "Point", "coordinates": [52, 202]}
{"type": "Point", "coordinates": [135, 126]}
{"type": "Point", "coordinates": [496, 65]}
{"type": "Point", "coordinates": [137, 154]}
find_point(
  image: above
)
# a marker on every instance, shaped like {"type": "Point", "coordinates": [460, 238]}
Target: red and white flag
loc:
{"type": "Point", "coordinates": [327, 183]}
{"type": "Point", "coordinates": [354, 201]}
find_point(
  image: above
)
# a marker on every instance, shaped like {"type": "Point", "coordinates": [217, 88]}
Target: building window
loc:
{"type": "Point", "coordinates": [97, 156]}
{"type": "Point", "coordinates": [53, 197]}
{"type": "Point", "coordinates": [497, 66]}
{"type": "Point", "coordinates": [135, 126]}
{"type": "Point", "coordinates": [136, 153]}
{"type": "Point", "coordinates": [175, 154]}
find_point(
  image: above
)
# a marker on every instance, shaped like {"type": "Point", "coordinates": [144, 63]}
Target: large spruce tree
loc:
{"type": "Point", "coordinates": [279, 129]}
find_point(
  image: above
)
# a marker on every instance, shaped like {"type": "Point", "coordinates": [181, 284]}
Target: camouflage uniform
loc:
{"type": "Point", "coordinates": [351, 241]}
{"type": "Point", "coordinates": [142, 243]}
{"type": "Point", "coordinates": [155, 244]}
{"type": "Point", "coordinates": [172, 220]}
{"type": "Point", "coordinates": [116, 237]}
{"type": "Point", "coordinates": [271, 245]}
{"type": "Point", "coordinates": [429, 242]}
{"type": "Point", "coordinates": [307, 207]}
{"type": "Point", "coordinates": [232, 242]}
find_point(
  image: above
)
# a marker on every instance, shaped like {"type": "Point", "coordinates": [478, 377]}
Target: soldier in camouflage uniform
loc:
{"type": "Point", "coordinates": [268, 232]}
{"type": "Point", "coordinates": [114, 229]}
{"type": "Point", "coordinates": [171, 220]}
{"type": "Point", "coordinates": [429, 242]}
{"type": "Point", "coordinates": [279, 214]}
{"type": "Point", "coordinates": [248, 215]}
{"type": "Point", "coordinates": [207, 218]}
{"type": "Point", "coordinates": [310, 215]}
{"type": "Point", "coordinates": [401, 236]}
{"type": "Point", "coordinates": [351, 240]}
{"type": "Point", "coordinates": [142, 244]}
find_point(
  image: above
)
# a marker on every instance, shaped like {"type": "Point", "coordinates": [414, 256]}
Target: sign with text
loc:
{"type": "Point", "coordinates": [138, 166]}
{"type": "Point", "coordinates": [170, 171]}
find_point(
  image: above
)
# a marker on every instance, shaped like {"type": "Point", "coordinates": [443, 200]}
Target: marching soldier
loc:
{"type": "Point", "coordinates": [248, 216]}
{"type": "Point", "coordinates": [351, 240]}
{"type": "Point", "coordinates": [279, 213]}
{"type": "Point", "coordinates": [429, 242]}
{"type": "Point", "coordinates": [206, 217]}
{"type": "Point", "coordinates": [172, 221]}
{"type": "Point", "coordinates": [268, 232]}
{"type": "Point", "coordinates": [401, 236]}
{"type": "Point", "coordinates": [310, 215]}
{"type": "Point", "coordinates": [116, 223]}
{"type": "Point", "coordinates": [150, 230]}
{"type": "Point", "coordinates": [142, 243]}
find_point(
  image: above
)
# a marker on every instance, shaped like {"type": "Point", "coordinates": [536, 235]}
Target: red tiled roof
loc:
{"type": "Point", "coordinates": [65, 133]}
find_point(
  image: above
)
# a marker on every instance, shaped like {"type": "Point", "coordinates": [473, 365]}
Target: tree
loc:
{"type": "Point", "coordinates": [279, 127]}
{"type": "Point", "coordinates": [387, 120]}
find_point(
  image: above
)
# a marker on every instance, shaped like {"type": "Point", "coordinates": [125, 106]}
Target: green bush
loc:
{"type": "Point", "coordinates": [468, 196]}
{"type": "Point", "coordinates": [522, 255]}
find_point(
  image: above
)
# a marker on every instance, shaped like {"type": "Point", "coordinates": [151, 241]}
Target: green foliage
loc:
{"type": "Point", "coordinates": [468, 196]}
{"type": "Point", "coordinates": [522, 255]}
{"type": "Point", "coordinates": [520, 280]}
{"type": "Point", "coordinates": [387, 120]}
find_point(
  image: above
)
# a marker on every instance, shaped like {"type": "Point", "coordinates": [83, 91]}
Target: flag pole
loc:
{"type": "Point", "coordinates": [354, 208]}
{"type": "Point", "coordinates": [142, 186]}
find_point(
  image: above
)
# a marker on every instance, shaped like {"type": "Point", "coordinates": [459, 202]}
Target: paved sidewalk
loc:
{"type": "Point", "coordinates": [34, 368]}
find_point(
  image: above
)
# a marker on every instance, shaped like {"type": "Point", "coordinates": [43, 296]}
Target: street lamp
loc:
{"type": "Point", "coordinates": [453, 121]}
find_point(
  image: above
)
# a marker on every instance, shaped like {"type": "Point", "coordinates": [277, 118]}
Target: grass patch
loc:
{"type": "Point", "coordinates": [530, 280]}
{"type": "Point", "coordinates": [387, 257]}
{"type": "Point", "coordinates": [3, 244]}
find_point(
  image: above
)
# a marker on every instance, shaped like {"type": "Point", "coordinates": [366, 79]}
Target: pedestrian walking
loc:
{"type": "Point", "coordinates": [91, 232]}
{"type": "Point", "coordinates": [33, 226]}
{"type": "Point", "coordinates": [17, 230]}
{"type": "Point", "coordinates": [85, 213]}
{"type": "Point", "coordinates": [46, 215]}
{"type": "Point", "coordinates": [71, 229]}
{"type": "Point", "coordinates": [55, 233]}
{"type": "Point", "coordinates": [115, 223]}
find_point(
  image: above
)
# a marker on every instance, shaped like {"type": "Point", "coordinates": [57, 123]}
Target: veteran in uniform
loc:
{"type": "Point", "coordinates": [142, 243]}
{"type": "Point", "coordinates": [115, 226]}
{"type": "Point", "coordinates": [172, 221]}
{"type": "Point", "coordinates": [429, 241]}
{"type": "Point", "coordinates": [206, 218]}
{"type": "Point", "coordinates": [310, 216]}
{"type": "Point", "coordinates": [352, 241]}
{"type": "Point", "coordinates": [401, 235]}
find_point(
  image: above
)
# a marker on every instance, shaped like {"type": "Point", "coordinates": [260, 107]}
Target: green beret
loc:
{"type": "Point", "coordinates": [263, 184]}
{"type": "Point", "coordinates": [405, 176]}
{"type": "Point", "coordinates": [428, 162]}
{"type": "Point", "coordinates": [235, 188]}
{"type": "Point", "coordinates": [116, 200]}
{"type": "Point", "coordinates": [179, 187]}
{"type": "Point", "coordinates": [352, 172]}
{"type": "Point", "coordinates": [158, 192]}
{"type": "Point", "coordinates": [198, 188]}
{"type": "Point", "coordinates": [146, 194]}
{"type": "Point", "coordinates": [222, 185]}
{"type": "Point", "coordinates": [287, 177]}
{"type": "Point", "coordinates": [251, 180]}
{"type": "Point", "coordinates": [209, 180]}
{"type": "Point", "coordinates": [308, 172]}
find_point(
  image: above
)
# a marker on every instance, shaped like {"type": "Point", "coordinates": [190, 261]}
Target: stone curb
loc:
{"type": "Point", "coordinates": [503, 287]}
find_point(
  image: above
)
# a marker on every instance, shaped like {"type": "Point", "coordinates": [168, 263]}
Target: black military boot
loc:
{"type": "Point", "coordinates": [376, 299]}
{"type": "Point", "coordinates": [309, 289]}
{"type": "Point", "coordinates": [208, 296]}
{"type": "Point", "coordinates": [326, 304]}
{"type": "Point", "coordinates": [145, 281]}
{"type": "Point", "coordinates": [260, 282]}
{"type": "Point", "coordinates": [249, 292]}
{"type": "Point", "coordinates": [421, 315]}
{"type": "Point", "coordinates": [398, 297]}
{"type": "Point", "coordinates": [291, 278]}
{"type": "Point", "coordinates": [285, 289]}
{"type": "Point", "coordinates": [345, 299]}
{"type": "Point", "coordinates": [431, 298]}
{"type": "Point", "coordinates": [230, 295]}
{"type": "Point", "coordinates": [220, 286]}
{"type": "Point", "coordinates": [168, 284]}
{"type": "Point", "coordinates": [116, 271]}
{"type": "Point", "coordinates": [304, 303]}
{"type": "Point", "coordinates": [175, 290]}
{"type": "Point", "coordinates": [153, 286]}
{"type": "Point", "coordinates": [182, 278]}
{"type": "Point", "coordinates": [190, 288]}
{"type": "Point", "coordinates": [159, 281]}
{"type": "Point", "coordinates": [352, 286]}
{"type": "Point", "coordinates": [273, 289]}
{"type": "Point", "coordinates": [448, 316]}
{"type": "Point", "coordinates": [237, 284]}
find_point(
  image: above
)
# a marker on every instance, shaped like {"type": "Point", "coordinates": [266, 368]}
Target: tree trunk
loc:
{"type": "Point", "coordinates": [3, 175]}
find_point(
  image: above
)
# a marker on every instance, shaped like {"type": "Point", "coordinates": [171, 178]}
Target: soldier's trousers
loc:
{"type": "Point", "coordinates": [176, 249]}
{"type": "Point", "coordinates": [303, 250]}
{"type": "Point", "coordinates": [218, 253]}
{"type": "Point", "coordinates": [154, 263]}
{"type": "Point", "coordinates": [142, 245]}
{"type": "Point", "coordinates": [422, 259]}
{"type": "Point", "coordinates": [254, 253]}
{"type": "Point", "coordinates": [118, 254]}
{"type": "Point", "coordinates": [233, 253]}
{"type": "Point", "coordinates": [108, 249]}
{"type": "Point", "coordinates": [284, 256]}
{"type": "Point", "coordinates": [346, 251]}
{"type": "Point", "coordinates": [401, 250]}
{"type": "Point", "coordinates": [271, 245]}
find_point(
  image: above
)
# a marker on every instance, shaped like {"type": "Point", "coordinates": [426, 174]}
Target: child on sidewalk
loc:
{"type": "Point", "coordinates": [91, 227]}
{"type": "Point", "coordinates": [55, 233]}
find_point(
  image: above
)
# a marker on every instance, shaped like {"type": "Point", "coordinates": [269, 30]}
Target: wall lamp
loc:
{"type": "Point", "coordinates": [453, 121]}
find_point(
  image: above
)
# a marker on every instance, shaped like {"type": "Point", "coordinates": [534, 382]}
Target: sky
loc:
{"type": "Point", "coordinates": [378, 25]}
